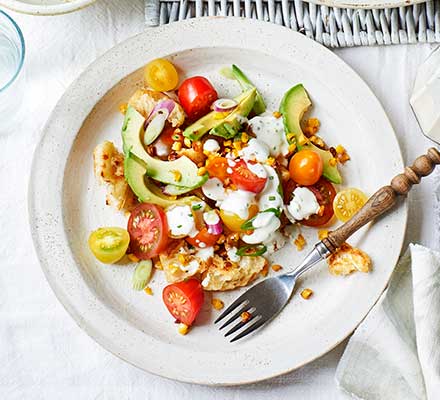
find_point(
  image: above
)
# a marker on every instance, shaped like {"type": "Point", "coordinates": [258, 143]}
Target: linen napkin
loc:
{"type": "Point", "coordinates": [395, 352]}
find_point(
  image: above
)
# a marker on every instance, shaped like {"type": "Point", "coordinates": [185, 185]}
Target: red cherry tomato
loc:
{"type": "Point", "coordinates": [196, 95]}
{"type": "Point", "coordinates": [305, 167]}
{"type": "Point", "coordinates": [325, 194]}
{"type": "Point", "coordinates": [148, 231]}
{"type": "Point", "coordinates": [245, 179]}
{"type": "Point", "coordinates": [217, 168]}
{"type": "Point", "coordinates": [207, 239]}
{"type": "Point", "coordinates": [184, 300]}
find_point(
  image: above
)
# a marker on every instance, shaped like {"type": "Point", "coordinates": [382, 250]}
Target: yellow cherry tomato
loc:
{"type": "Point", "coordinates": [233, 221]}
{"type": "Point", "coordinates": [161, 75]}
{"type": "Point", "coordinates": [109, 244]}
{"type": "Point", "coordinates": [348, 202]}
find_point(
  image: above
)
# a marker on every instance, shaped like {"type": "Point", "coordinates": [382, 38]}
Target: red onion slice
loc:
{"type": "Point", "coordinates": [224, 105]}
{"type": "Point", "coordinates": [213, 222]}
{"type": "Point", "coordinates": [215, 229]}
{"type": "Point", "coordinates": [164, 104]}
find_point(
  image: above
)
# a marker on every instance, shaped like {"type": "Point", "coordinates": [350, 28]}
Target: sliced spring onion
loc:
{"type": "Point", "coordinates": [142, 274]}
{"type": "Point", "coordinates": [156, 125]}
{"type": "Point", "coordinates": [224, 105]}
{"type": "Point", "coordinates": [252, 250]}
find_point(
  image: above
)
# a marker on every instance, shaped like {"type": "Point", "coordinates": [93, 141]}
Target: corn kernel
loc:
{"type": "Point", "coordinates": [187, 142]}
{"type": "Point", "coordinates": [133, 258]}
{"type": "Point", "coordinates": [227, 143]}
{"type": "Point", "coordinates": [148, 291]}
{"type": "Point", "coordinates": [303, 140]}
{"type": "Point", "coordinates": [306, 293]}
{"type": "Point", "coordinates": [182, 259]}
{"type": "Point", "coordinates": [270, 161]}
{"type": "Point", "coordinates": [245, 316]}
{"type": "Point", "coordinates": [201, 171]}
{"type": "Point", "coordinates": [276, 114]}
{"type": "Point", "coordinates": [177, 175]}
{"type": "Point", "coordinates": [322, 234]}
{"type": "Point", "coordinates": [317, 141]}
{"type": "Point", "coordinates": [276, 267]}
{"type": "Point", "coordinates": [217, 304]}
{"type": "Point", "coordinates": [177, 146]}
{"type": "Point", "coordinates": [244, 137]}
{"type": "Point", "coordinates": [183, 329]}
{"type": "Point", "coordinates": [321, 211]}
{"type": "Point", "coordinates": [123, 108]}
{"type": "Point", "coordinates": [158, 265]}
{"type": "Point", "coordinates": [300, 242]}
{"type": "Point", "coordinates": [290, 137]}
{"type": "Point", "coordinates": [340, 149]}
{"type": "Point", "coordinates": [221, 239]}
{"type": "Point", "coordinates": [292, 147]}
{"type": "Point", "coordinates": [235, 153]}
{"type": "Point", "coordinates": [233, 187]}
{"type": "Point", "coordinates": [237, 145]}
{"type": "Point", "coordinates": [332, 162]}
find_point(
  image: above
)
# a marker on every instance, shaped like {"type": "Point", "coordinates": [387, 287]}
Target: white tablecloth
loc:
{"type": "Point", "coordinates": [43, 354]}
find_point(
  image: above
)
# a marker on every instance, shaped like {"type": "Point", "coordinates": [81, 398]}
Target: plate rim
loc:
{"type": "Point", "coordinates": [45, 10]}
{"type": "Point", "coordinates": [35, 230]}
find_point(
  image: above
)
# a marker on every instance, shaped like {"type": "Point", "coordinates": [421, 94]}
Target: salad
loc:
{"type": "Point", "coordinates": [213, 186]}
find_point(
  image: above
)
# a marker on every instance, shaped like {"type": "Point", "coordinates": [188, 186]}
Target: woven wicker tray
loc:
{"type": "Point", "coordinates": [333, 27]}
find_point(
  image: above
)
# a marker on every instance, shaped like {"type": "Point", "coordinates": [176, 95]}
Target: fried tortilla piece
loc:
{"type": "Point", "coordinates": [348, 259]}
{"type": "Point", "coordinates": [144, 101]}
{"type": "Point", "coordinates": [108, 164]}
{"type": "Point", "coordinates": [179, 264]}
{"type": "Point", "coordinates": [227, 275]}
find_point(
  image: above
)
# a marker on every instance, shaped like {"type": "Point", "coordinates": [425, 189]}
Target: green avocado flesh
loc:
{"type": "Point", "coordinates": [293, 106]}
{"type": "Point", "coordinates": [181, 172]}
{"type": "Point", "coordinates": [227, 127]}
{"type": "Point", "coordinates": [147, 192]}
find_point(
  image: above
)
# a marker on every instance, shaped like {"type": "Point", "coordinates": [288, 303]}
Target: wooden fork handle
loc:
{"type": "Point", "coordinates": [385, 198]}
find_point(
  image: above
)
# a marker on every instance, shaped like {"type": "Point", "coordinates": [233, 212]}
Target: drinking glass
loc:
{"type": "Point", "coordinates": [12, 50]}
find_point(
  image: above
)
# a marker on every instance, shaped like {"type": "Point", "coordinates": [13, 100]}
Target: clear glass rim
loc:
{"type": "Point", "coordinates": [23, 51]}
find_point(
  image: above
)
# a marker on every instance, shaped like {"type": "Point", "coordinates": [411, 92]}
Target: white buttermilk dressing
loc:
{"type": "Point", "coordinates": [191, 268]}
{"type": "Point", "coordinates": [211, 217]}
{"type": "Point", "coordinates": [257, 169]}
{"type": "Point", "coordinates": [265, 225]}
{"type": "Point", "coordinates": [211, 145]}
{"type": "Point", "coordinates": [232, 255]}
{"type": "Point", "coordinates": [205, 254]}
{"type": "Point", "coordinates": [213, 189]}
{"type": "Point", "coordinates": [238, 202]}
{"type": "Point", "coordinates": [303, 204]}
{"type": "Point", "coordinates": [270, 130]}
{"type": "Point", "coordinates": [181, 221]}
{"type": "Point", "coordinates": [270, 197]}
{"type": "Point", "coordinates": [255, 150]}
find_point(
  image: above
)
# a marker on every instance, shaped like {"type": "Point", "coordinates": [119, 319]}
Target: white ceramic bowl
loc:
{"type": "Point", "coordinates": [45, 7]}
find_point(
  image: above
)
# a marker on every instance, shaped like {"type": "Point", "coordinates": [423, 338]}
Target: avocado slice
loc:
{"type": "Point", "coordinates": [293, 106]}
{"type": "Point", "coordinates": [246, 84]}
{"type": "Point", "coordinates": [163, 171]}
{"type": "Point", "coordinates": [227, 127]}
{"type": "Point", "coordinates": [147, 192]}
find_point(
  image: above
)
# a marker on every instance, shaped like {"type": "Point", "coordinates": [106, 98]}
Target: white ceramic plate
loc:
{"type": "Point", "coordinates": [45, 7]}
{"type": "Point", "coordinates": [366, 4]}
{"type": "Point", "coordinates": [66, 203]}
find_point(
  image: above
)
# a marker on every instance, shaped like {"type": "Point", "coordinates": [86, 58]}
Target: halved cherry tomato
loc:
{"type": "Point", "coordinates": [184, 300]}
{"type": "Point", "coordinates": [348, 202]}
{"type": "Point", "coordinates": [325, 194]}
{"type": "Point", "coordinates": [245, 179]}
{"type": "Point", "coordinates": [305, 167]}
{"type": "Point", "coordinates": [203, 239]}
{"type": "Point", "coordinates": [233, 221]}
{"type": "Point", "coordinates": [161, 75]}
{"type": "Point", "coordinates": [148, 231]}
{"type": "Point", "coordinates": [196, 95]}
{"type": "Point", "coordinates": [217, 168]}
{"type": "Point", "coordinates": [109, 244]}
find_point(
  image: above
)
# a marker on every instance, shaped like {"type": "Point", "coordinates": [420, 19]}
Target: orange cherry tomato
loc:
{"type": "Point", "coordinates": [208, 239]}
{"type": "Point", "coordinates": [217, 168]}
{"type": "Point", "coordinates": [305, 167]}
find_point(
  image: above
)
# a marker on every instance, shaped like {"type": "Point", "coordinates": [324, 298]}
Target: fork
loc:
{"type": "Point", "coordinates": [263, 301]}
